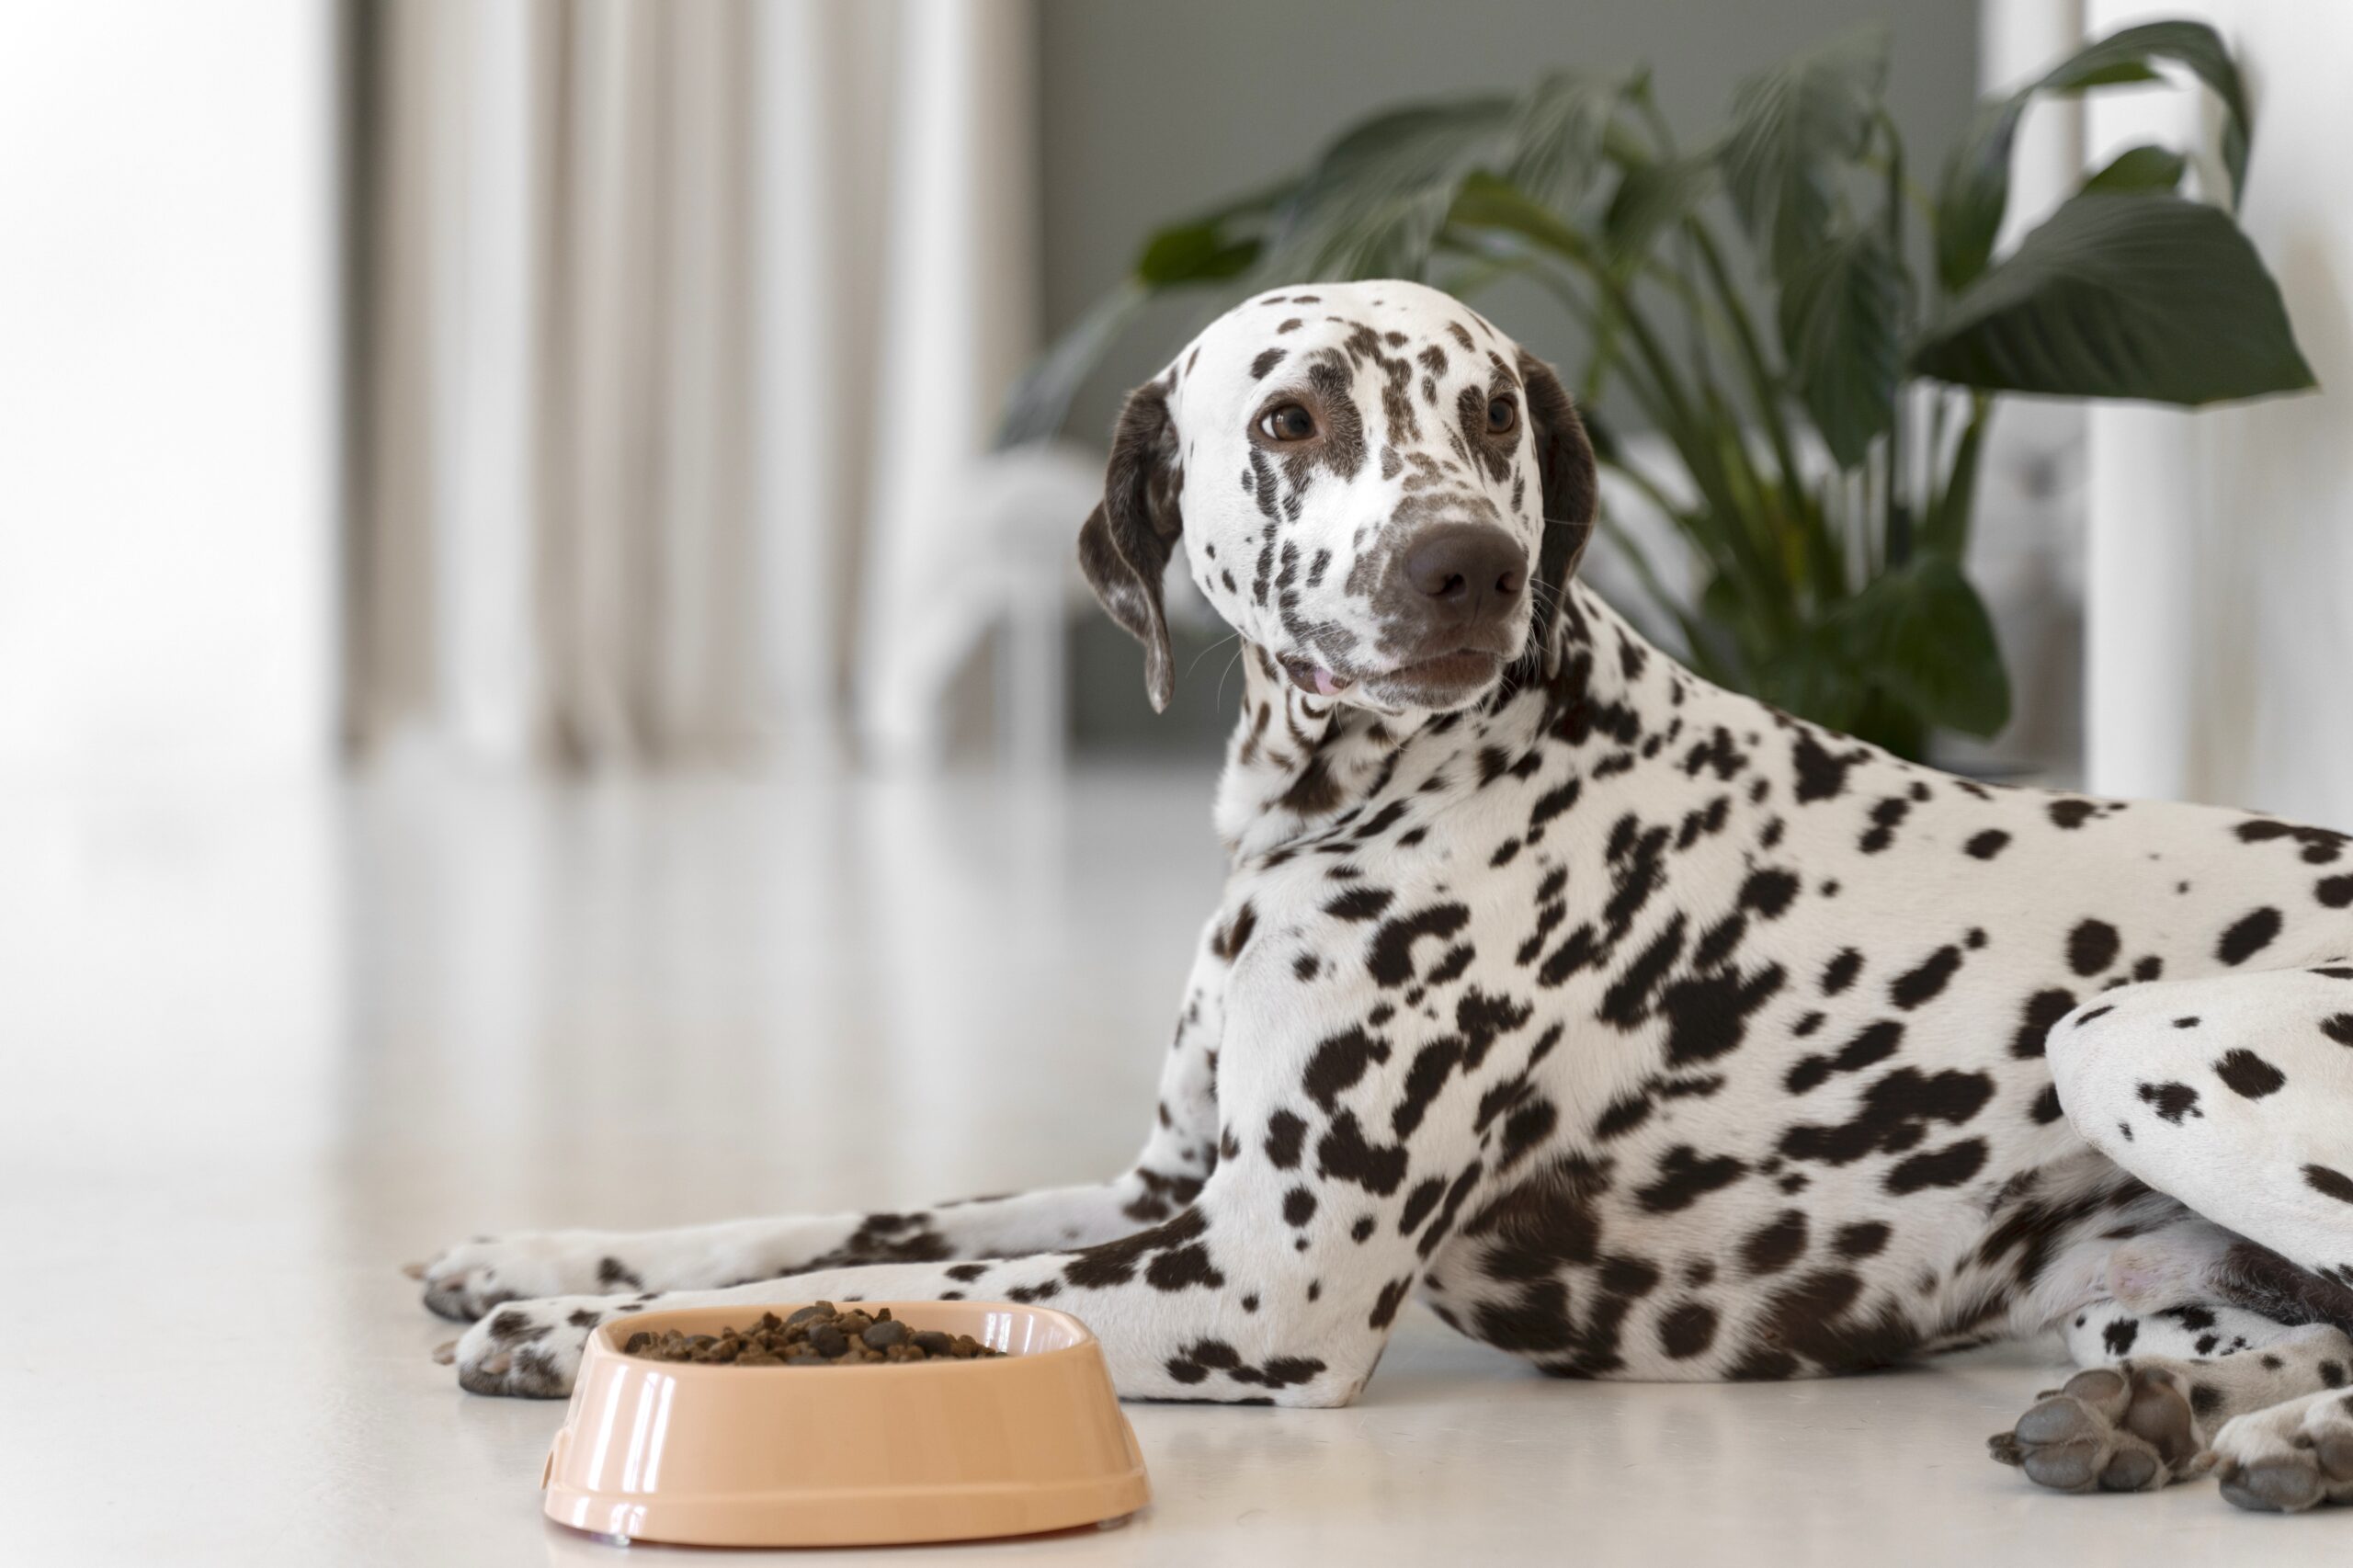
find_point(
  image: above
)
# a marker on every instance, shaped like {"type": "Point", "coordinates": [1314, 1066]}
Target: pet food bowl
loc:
{"type": "Point", "coordinates": [846, 1456]}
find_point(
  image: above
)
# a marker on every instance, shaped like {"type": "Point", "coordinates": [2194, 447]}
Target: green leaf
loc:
{"type": "Point", "coordinates": [1653, 198]}
{"type": "Point", "coordinates": [1841, 317]}
{"type": "Point", "coordinates": [1809, 675]}
{"type": "Point", "coordinates": [1373, 205]}
{"type": "Point", "coordinates": [2122, 74]}
{"type": "Point", "coordinates": [2144, 168]}
{"type": "Point", "coordinates": [2141, 296]}
{"type": "Point", "coordinates": [1976, 192]}
{"type": "Point", "coordinates": [1921, 632]}
{"type": "Point", "coordinates": [1214, 246]}
{"type": "Point", "coordinates": [1731, 609]}
{"type": "Point", "coordinates": [1556, 138]}
{"type": "Point", "coordinates": [2191, 44]}
{"type": "Point", "coordinates": [1797, 130]}
{"type": "Point", "coordinates": [1485, 203]}
{"type": "Point", "coordinates": [1193, 253]}
{"type": "Point", "coordinates": [1977, 188]}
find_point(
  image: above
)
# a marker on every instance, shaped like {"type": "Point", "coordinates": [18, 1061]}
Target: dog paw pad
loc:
{"type": "Point", "coordinates": [2110, 1429]}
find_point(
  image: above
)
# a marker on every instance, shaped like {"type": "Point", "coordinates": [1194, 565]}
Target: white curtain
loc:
{"type": "Point", "coordinates": [673, 327]}
{"type": "Point", "coordinates": [167, 328]}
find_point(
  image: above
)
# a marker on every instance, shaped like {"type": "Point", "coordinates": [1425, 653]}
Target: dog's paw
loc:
{"type": "Point", "coordinates": [2290, 1457]}
{"type": "Point", "coordinates": [477, 1277]}
{"type": "Point", "coordinates": [527, 1349]}
{"type": "Point", "coordinates": [2122, 1428]}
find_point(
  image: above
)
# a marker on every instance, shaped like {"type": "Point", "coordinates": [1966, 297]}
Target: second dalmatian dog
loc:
{"type": "Point", "coordinates": [1641, 1028]}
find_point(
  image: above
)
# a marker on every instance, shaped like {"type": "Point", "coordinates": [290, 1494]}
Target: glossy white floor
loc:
{"type": "Point", "coordinates": [259, 1050]}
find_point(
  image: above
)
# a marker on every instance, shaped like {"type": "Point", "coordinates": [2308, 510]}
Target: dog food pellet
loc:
{"type": "Point", "coordinates": [819, 1335]}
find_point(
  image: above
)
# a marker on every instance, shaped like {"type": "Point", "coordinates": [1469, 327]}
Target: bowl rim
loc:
{"type": "Point", "coordinates": [608, 1336]}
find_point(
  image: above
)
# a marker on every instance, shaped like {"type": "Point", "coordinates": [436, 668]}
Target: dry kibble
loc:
{"type": "Point", "coordinates": [817, 1335]}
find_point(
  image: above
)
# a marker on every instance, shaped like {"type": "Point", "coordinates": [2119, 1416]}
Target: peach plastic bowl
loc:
{"type": "Point", "coordinates": [846, 1456]}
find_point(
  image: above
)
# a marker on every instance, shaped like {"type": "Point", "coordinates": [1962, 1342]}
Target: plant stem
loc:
{"type": "Point", "coordinates": [1947, 524]}
{"type": "Point", "coordinates": [1702, 657]}
{"type": "Point", "coordinates": [1663, 134]}
{"type": "Point", "coordinates": [1899, 515]}
{"type": "Point", "coordinates": [1762, 386]}
{"type": "Point", "coordinates": [1663, 418]}
{"type": "Point", "coordinates": [1825, 548]}
{"type": "Point", "coordinates": [1677, 418]}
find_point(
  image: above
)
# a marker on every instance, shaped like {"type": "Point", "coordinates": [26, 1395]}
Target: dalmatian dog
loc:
{"type": "Point", "coordinates": [1641, 1028]}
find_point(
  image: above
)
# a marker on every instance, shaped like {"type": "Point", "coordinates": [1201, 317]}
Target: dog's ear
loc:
{"type": "Point", "coordinates": [1564, 468]}
{"type": "Point", "coordinates": [1125, 546]}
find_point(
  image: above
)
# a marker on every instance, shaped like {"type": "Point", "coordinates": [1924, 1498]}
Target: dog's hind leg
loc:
{"type": "Point", "coordinates": [2233, 1095]}
{"type": "Point", "coordinates": [2146, 1422]}
{"type": "Point", "coordinates": [465, 1281]}
{"type": "Point", "coordinates": [2291, 1456]}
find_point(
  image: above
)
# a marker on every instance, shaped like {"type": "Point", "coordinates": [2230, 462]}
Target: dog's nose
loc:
{"type": "Point", "coordinates": [1467, 571]}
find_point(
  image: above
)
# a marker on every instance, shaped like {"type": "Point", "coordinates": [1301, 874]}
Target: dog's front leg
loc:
{"type": "Point", "coordinates": [1279, 1282]}
{"type": "Point", "coordinates": [1219, 1303]}
{"type": "Point", "coordinates": [467, 1280]}
{"type": "Point", "coordinates": [479, 1277]}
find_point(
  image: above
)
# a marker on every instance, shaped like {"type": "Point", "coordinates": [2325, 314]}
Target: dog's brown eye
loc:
{"type": "Point", "coordinates": [1289, 422]}
{"type": "Point", "coordinates": [1502, 413]}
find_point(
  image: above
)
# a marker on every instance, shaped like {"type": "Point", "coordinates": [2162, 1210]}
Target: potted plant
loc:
{"type": "Point", "coordinates": [1759, 298]}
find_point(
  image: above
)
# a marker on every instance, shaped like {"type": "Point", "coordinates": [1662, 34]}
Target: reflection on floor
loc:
{"type": "Point", "coordinates": [260, 1049]}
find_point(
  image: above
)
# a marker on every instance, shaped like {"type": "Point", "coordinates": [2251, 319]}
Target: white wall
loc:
{"type": "Point", "coordinates": [2027, 545]}
{"type": "Point", "coordinates": [2221, 602]}
{"type": "Point", "coordinates": [166, 410]}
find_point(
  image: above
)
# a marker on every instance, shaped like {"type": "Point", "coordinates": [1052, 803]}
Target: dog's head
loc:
{"type": "Point", "coordinates": [1373, 486]}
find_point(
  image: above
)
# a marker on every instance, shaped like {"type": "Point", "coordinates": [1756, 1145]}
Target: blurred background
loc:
{"type": "Point", "coordinates": [586, 388]}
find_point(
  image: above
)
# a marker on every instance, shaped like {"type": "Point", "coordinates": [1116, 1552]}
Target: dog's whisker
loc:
{"type": "Point", "coordinates": [1205, 652]}
{"type": "Point", "coordinates": [1228, 670]}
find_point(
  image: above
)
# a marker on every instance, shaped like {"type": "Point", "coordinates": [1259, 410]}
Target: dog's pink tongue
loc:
{"type": "Point", "coordinates": [1313, 678]}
